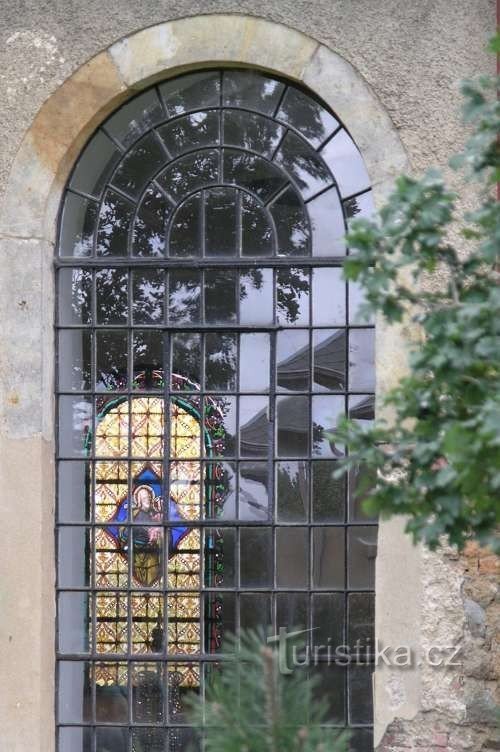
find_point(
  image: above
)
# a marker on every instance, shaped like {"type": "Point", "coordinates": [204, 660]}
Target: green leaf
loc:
{"type": "Point", "coordinates": [443, 467]}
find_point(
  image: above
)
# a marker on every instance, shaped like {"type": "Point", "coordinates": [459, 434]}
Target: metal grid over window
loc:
{"type": "Point", "coordinates": [207, 345]}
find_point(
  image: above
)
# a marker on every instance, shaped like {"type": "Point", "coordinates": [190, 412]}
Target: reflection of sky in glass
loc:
{"type": "Point", "coordinates": [360, 207]}
{"type": "Point", "coordinates": [356, 301]}
{"type": "Point", "coordinates": [256, 302]}
{"type": "Point", "coordinates": [246, 89]}
{"type": "Point", "coordinates": [254, 362]}
{"type": "Point", "coordinates": [328, 297]}
{"type": "Point", "coordinates": [362, 409]}
{"type": "Point", "coordinates": [253, 498]}
{"type": "Point", "coordinates": [346, 164]}
{"type": "Point", "coordinates": [327, 224]}
{"type": "Point", "coordinates": [95, 165]}
{"type": "Point", "coordinates": [326, 410]}
{"type": "Point", "coordinates": [362, 360]}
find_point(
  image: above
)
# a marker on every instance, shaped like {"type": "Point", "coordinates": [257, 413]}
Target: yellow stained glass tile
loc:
{"type": "Point", "coordinates": [108, 674]}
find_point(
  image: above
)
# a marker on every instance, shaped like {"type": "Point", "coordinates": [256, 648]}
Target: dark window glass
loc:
{"type": "Point", "coordinates": [148, 359]}
{"type": "Point", "coordinates": [185, 230]}
{"type": "Point", "coordinates": [189, 173]}
{"type": "Point", "coordinates": [148, 237]}
{"type": "Point", "coordinates": [256, 564]}
{"type": "Point", "coordinates": [292, 490]}
{"type": "Point", "coordinates": [292, 609]}
{"type": "Point", "coordinates": [95, 165]}
{"type": "Point", "coordinates": [293, 426]}
{"type": "Point", "coordinates": [115, 219]}
{"type": "Point", "coordinates": [360, 694]}
{"type": "Point", "coordinates": [252, 91]}
{"type": "Point", "coordinates": [192, 92]}
{"type": "Point", "coordinates": [253, 173]}
{"type": "Point", "coordinates": [221, 222]}
{"type": "Point", "coordinates": [252, 132]}
{"type": "Point", "coordinates": [306, 115]}
{"type": "Point", "coordinates": [303, 165]}
{"type": "Point", "coordinates": [328, 557]}
{"type": "Point", "coordinates": [328, 619]}
{"type": "Point", "coordinates": [328, 493]}
{"type": "Point", "coordinates": [78, 226]}
{"type": "Point", "coordinates": [292, 225]}
{"type": "Point", "coordinates": [220, 297]}
{"type": "Point", "coordinates": [139, 165]}
{"type": "Point", "coordinates": [292, 557]}
{"type": "Point", "coordinates": [257, 233]}
{"type": "Point", "coordinates": [191, 132]}
{"type": "Point", "coordinates": [135, 118]}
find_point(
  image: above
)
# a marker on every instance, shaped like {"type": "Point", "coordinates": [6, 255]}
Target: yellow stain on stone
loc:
{"type": "Point", "coordinates": [77, 106]}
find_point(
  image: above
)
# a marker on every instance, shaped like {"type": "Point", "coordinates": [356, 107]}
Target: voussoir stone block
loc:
{"type": "Point", "coordinates": [351, 99]}
{"type": "Point", "coordinates": [53, 142]}
{"type": "Point", "coordinates": [235, 39]}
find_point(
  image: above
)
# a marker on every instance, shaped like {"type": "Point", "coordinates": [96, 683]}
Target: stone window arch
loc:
{"type": "Point", "coordinates": [39, 174]}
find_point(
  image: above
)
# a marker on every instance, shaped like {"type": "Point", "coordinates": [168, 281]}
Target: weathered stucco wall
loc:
{"type": "Point", "coordinates": [412, 56]}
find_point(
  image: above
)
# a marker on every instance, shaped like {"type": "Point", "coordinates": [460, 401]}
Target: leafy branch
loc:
{"type": "Point", "coordinates": [437, 459]}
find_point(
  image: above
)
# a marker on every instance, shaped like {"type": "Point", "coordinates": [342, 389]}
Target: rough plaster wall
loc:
{"type": "Point", "coordinates": [412, 55]}
{"type": "Point", "coordinates": [459, 705]}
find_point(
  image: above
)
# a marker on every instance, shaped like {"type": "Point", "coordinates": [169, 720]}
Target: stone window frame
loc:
{"type": "Point", "coordinates": [28, 221]}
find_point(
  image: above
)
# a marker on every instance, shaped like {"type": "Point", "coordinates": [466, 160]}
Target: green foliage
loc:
{"type": "Point", "coordinates": [438, 460]}
{"type": "Point", "coordinates": [251, 707]}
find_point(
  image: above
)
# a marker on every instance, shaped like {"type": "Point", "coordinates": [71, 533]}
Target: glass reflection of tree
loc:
{"type": "Point", "coordinates": [293, 283]}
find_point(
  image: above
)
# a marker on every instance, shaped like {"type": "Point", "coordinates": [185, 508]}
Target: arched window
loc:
{"type": "Point", "coordinates": [207, 345]}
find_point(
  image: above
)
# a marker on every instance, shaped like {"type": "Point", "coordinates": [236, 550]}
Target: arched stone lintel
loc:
{"type": "Point", "coordinates": [68, 118]}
